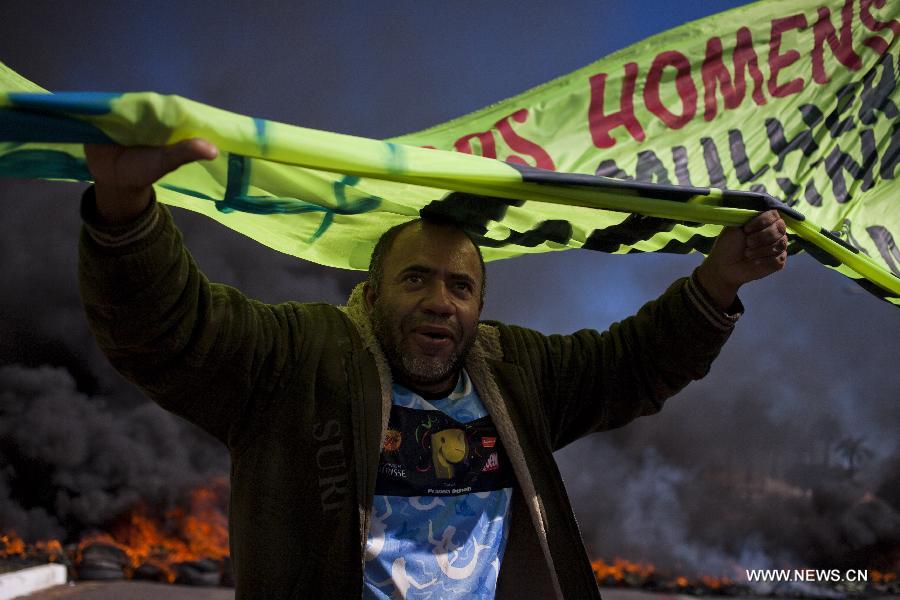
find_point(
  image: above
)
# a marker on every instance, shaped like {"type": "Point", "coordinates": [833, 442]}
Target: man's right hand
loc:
{"type": "Point", "coordinates": [124, 175]}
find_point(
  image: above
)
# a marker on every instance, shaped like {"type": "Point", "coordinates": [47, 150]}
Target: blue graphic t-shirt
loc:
{"type": "Point", "coordinates": [440, 515]}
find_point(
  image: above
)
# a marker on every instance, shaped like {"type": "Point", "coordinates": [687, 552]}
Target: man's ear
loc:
{"type": "Point", "coordinates": [368, 297]}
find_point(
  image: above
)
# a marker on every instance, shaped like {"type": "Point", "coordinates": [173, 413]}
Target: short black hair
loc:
{"type": "Point", "coordinates": [376, 263]}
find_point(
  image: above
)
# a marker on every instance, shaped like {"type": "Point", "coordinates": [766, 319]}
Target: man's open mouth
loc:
{"type": "Point", "coordinates": [434, 333]}
{"type": "Point", "coordinates": [435, 336]}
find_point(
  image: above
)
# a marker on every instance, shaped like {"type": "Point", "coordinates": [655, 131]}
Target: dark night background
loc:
{"type": "Point", "coordinates": [785, 455]}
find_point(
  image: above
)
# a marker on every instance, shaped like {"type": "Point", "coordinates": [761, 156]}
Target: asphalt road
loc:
{"type": "Point", "coordinates": [131, 590]}
{"type": "Point", "coordinates": [135, 590]}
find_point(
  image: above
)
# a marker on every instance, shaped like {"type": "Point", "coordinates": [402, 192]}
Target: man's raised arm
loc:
{"type": "Point", "coordinates": [200, 350]}
{"type": "Point", "coordinates": [591, 381]}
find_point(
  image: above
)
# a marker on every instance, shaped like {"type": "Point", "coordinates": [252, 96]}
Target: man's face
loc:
{"type": "Point", "coordinates": [426, 313]}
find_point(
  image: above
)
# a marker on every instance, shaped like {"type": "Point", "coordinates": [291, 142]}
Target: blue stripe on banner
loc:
{"type": "Point", "coordinates": [262, 138]}
{"type": "Point", "coordinates": [21, 126]}
{"type": "Point", "coordinates": [43, 164]}
{"type": "Point", "coordinates": [75, 103]}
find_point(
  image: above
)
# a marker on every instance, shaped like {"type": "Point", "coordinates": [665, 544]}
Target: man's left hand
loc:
{"type": "Point", "coordinates": [743, 254]}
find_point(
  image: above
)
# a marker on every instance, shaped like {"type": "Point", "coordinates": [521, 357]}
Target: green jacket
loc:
{"type": "Point", "coordinates": [300, 395]}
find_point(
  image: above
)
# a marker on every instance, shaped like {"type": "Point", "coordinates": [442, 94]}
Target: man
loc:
{"type": "Point", "coordinates": [396, 445]}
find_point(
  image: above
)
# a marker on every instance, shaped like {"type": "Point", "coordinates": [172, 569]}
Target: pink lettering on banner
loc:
{"type": "Point", "coordinates": [842, 47]}
{"type": "Point", "coordinates": [684, 85]}
{"type": "Point", "coordinates": [725, 86]}
{"type": "Point", "coordinates": [733, 89]}
{"type": "Point", "coordinates": [779, 60]}
{"type": "Point", "coordinates": [876, 42]}
{"type": "Point", "coordinates": [519, 144]}
{"type": "Point", "coordinates": [600, 122]}
{"type": "Point", "coordinates": [485, 140]}
{"type": "Point", "coordinates": [513, 140]}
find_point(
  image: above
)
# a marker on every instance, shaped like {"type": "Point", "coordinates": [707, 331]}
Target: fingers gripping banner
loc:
{"type": "Point", "coordinates": [652, 149]}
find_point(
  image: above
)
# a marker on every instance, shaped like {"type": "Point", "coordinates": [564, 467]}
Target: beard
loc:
{"type": "Point", "coordinates": [408, 363]}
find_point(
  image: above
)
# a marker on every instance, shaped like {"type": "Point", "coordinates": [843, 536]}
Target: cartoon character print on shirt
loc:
{"type": "Point", "coordinates": [448, 447]}
{"type": "Point", "coordinates": [428, 453]}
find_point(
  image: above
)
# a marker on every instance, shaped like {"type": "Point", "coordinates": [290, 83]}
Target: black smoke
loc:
{"type": "Point", "coordinates": [785, 455]}
{"type": "Point", "coordinates": [72, 462]}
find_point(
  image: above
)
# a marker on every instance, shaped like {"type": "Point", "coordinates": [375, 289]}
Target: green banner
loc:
{"type": "Point", "coordinates": [654, 148]}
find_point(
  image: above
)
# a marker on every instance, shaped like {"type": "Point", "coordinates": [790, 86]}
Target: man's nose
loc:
{"type": "Point", "coordinates": [438, 300]}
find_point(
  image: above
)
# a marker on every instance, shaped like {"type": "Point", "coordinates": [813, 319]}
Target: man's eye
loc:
{"type": "Point", "coordinates": [413, 278]}
{"type": "Point", "coordinates": [464, 286]}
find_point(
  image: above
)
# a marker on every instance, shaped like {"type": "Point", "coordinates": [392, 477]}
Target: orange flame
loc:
{"type": "Point", "coordinates": [881, 577]}
{"type": "Point", "coordinates": [185, 534]}
{"type": "Point", "coordinates": [11, 545]}
{"type": "Point", "coordinates": [194, 532]}
{"type": "Point", "coordinates": [715, 582]}
{"type": "Point", "coordinates": [624, 572]}
{"type": "Point", "coordinates": [620, 569]}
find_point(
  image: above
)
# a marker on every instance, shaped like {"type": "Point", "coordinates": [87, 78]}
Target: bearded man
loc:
{"type": "Point", "coordinates": [397, 445]}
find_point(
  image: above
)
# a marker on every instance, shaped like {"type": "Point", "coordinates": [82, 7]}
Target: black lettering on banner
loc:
{"type": "Point", "coordinates": [878, 97]}
{"type": "Point", "coordinates": [824, 135]}
{"type": "Point", "coordinates": [742, 167]}
{"type": "Point", "coordinates": [473, 209]}
{"type": "Point", "coordinates": [650, 169]}
{"type": "Point", "coordinates": [713, 163]}
{"type": "Point", "coordinates": [789, 189]}
{"type": "Point", "coordinates": [838, 161]}
{"type": "Point", "coordinates": [609, 168]}
{"type": "Point", "coordinates": [634, 228]}
{"type": "Point", "coordinates": [891, 155]}
{"type": "Point", "coordinates": [698, 242]}
{"type": "Point", "coordinates": [845, 95]}
{"type": "Point", "coordinates": [803, 141]}
{"type": "Point", "coordinates": [474, 213]}
{"type": "Point", "coordinates": [812, 194]}
{"type": "Point", "coordinates": [470, 211]}
{"type": "Point", "coordinates": [884, 241]}
{"type": "Point", "coordinates": [846, 232]}
{"type": "Point", "coordinates": [680, 158]}
{"type": "Point", "coordinates": [553, 230]}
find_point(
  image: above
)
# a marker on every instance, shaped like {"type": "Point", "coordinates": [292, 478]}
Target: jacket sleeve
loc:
{"type": "Point", "coordinates": [203, 351]}
{"type": "Point", "coordinates": [591, 381]}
